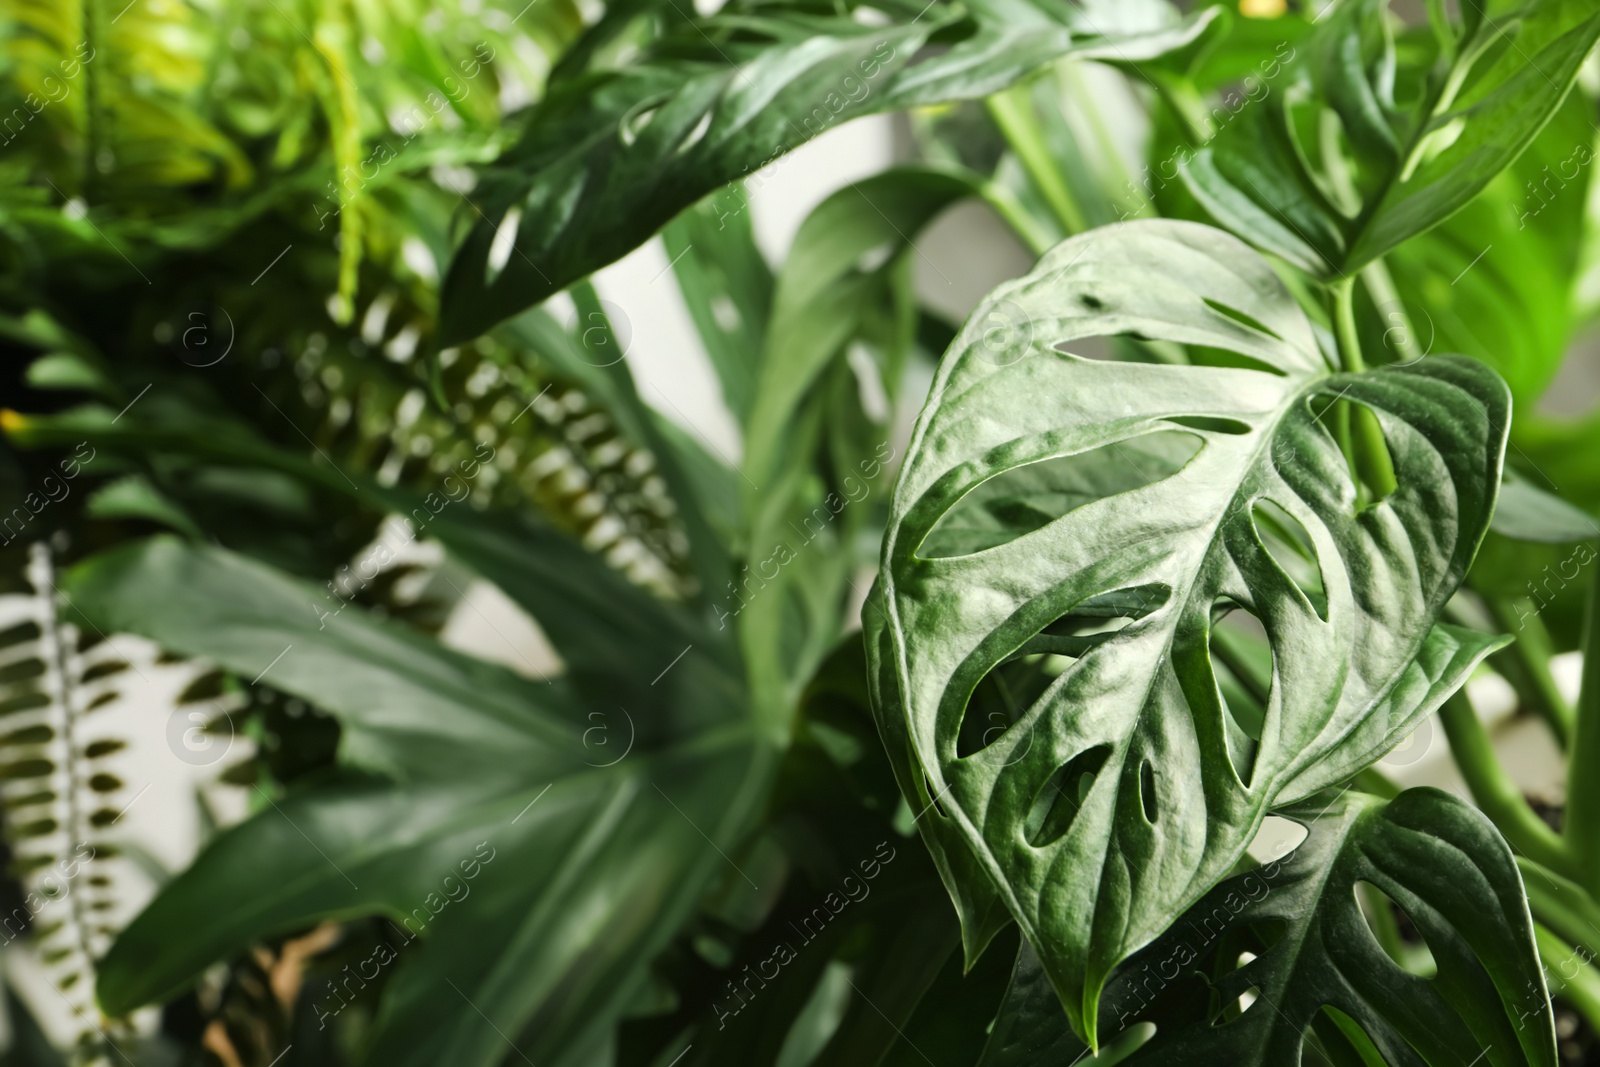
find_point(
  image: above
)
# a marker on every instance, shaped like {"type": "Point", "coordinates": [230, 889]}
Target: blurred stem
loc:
{"type": "Point", "coordinates": [1120, 181]}
{"type": "Point", "coordinates": [1375, 276]}
{"type": "Point", "coordinates": [1370, 460]}
{"type": "Point", "coordinates": [1006, 205]}
{"type": "Point", "coordinates": [1581, 826]}
{"type": "Point", "coordinates": [1581, 988]}
{"type": "Point", "coordinates": [1494, 791]}
{"type": "Point", "coordinates": [94, 124]}
{"type": "Point", "coordinates": [1186, 102]}
{"type": "Point", "coordinates": [1377, 783]}
{"type": "Point", "coordinates": [1560, 904]}
{"type": "Point", "coordinates": [1525, 663]}
{"type": "Point", "coordinates": [1013, 113]}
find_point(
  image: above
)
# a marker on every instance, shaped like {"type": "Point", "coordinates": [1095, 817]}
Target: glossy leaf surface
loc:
{"type": "Point", "coordinates": [1068, 532]}
{"type": "Point", "coordinates": [1348, 159]}
{"type": "Point", "coordinates": [460, 780]}
{"type": "Point", "coordinates": [1248, 971]}
{"type": "Point", "coordinates": [609, 159]}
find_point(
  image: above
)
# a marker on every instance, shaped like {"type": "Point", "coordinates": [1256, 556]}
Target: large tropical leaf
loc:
{"type": "Point", "coordinates": [607, 160]}
{"type": "Point", "coordinates": [461, 779]}
{"type": "Point", "coordinates": [1349, 158]}
{"type": "Point", "coordinates": [1310, 947]}
{"type": "Point", "coordinates": [1100, 776]}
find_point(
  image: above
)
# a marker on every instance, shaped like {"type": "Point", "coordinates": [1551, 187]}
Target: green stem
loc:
{"type": "Point", "coordinates": [1525, 663]}
{"type": "Point", "coordinates": [1561, 904]}
{"type": "Point", "coordinates": [1398, 330]}
{"type": "Point", "coordinates": [1370, 459]}
{"type": "Point", "coordinates": [1377, 783]}
{"type": "Point", "coordinates": [1013, 113]}
{"type": "Point", "coordinates": [1120, 180]}
{"type": "Point", "coordinates": [1582, 824]}
{"type": "Point", "coordinates": [94, 120]}
{"type": "Point", "coordinates": [1010, 209]}
{"type": "Point", "coordinates": [1494, 791]}
{"type": "Point", "coordinates": [1186, 102]}
{"type": "Point", "coordinates": [1581, 987]}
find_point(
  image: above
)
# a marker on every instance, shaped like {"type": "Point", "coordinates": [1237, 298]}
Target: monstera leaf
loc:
{"type": "Point", "coordinates": [474, 807]}
{"type": "Point", "coordinates": [1067, 536]}
{"type": "Point", "coordinates": [1351, 158]}
{"type": "Point", "coordinates": [1249, 970]}
{"type": "Point", "coordinates": [610, 158]}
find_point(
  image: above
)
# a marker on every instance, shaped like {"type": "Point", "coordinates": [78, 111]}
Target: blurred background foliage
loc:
{"type": "Point", "coordinates": [224, 228]}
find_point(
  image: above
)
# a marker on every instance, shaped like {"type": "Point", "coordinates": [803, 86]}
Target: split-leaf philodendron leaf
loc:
{"type": "Point", "coordinates": [609, 159]}
{"type": "Point", "coordinates": [1068, 534]}
{"type": "Point", "coordinates": [1242, 976]}
{"type": "Point", "coordinates": [1347, 159]}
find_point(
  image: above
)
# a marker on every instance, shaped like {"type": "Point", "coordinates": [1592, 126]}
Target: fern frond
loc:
{"type": "Point", "coordinates": [58, 794]}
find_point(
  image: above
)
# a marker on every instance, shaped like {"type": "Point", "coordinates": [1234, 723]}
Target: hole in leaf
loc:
{"type": "Point", "coordinates": [1355, 429]}
{"type": "Point", "coordinates": [1004, 696]}
{"type": "Point", "coordinates": [1120, 347]}
{"type": "Point", "coordinates": [1276, 840]}
{"type": "Point", "coordinates": [1208, 356]}
{"type": "Point", "coordinates": [1234, 1007]}
{"type": "Point", "coordinates": [1209, 423]}
{"type": "Point", "coordinates": [695, 135]}
{"type": "Point", "coordinates": [1289, 544]}
{"type": "Point", "coordinates": [1241, 663]}
{"type": "Point", "coordinates": [1014, 685]}
{"type": "Point", "coordinates": [634, 121]}
{"type": "Point", "coordinates": [1235, 315]}
{"type": "Point", "coordinates": [1147, 791]}
{"type": "Point", "coordinates": [1400, 938]}
{"type": "Point", "coordinates": [500, 248]}
{"type": "Point", "coordinates": [1056, 804]}
{"type": "Point", "coordinates": [933, 797]}
{"type": "Point", "coordinates": [1016, 502]}
{"type": "Point", "coordinates": [1339, 1040]}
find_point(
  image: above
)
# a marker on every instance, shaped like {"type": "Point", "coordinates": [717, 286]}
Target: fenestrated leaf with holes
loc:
{"type": "Point", "coordinates": [1285, 956]}
{"type": "Point", "coordinates": [1066, 533]}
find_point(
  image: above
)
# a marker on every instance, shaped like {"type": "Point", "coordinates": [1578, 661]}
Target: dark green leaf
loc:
{"type": "Point", "coordinates": [498, 790]}
{"type": "Point", "coordinates": [607, 160]}
{"type": "Point", "coordinates": [1310, 947]}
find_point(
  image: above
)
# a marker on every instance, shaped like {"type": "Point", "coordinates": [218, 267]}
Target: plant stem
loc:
{"type": "Point", "coordinates": [1493, 789]}
{"type": "Point", "coordinates": [1013, 113]}
{"type": "Point", "coordinates": [1377, 783]}
{"type": "Point", "coordinates": [1525, 663]}
{"type": "Point", "coordinates": [1580, 989]}
{"type": "Point", "coordinates": [1375, 276]}
{"type": "Point", "coordinates": [1581, 826]}
{"type": "Point", "coordinates": [1370, 460]}
{"type": "Point", "coordinates": [1560, 904]}
{"type": "Point", "coordinates": [94, 119]}
{"type": "Point", "coordinates": [1010, 209]}
{"type": "Point", "coordinates": [1186, 102]}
